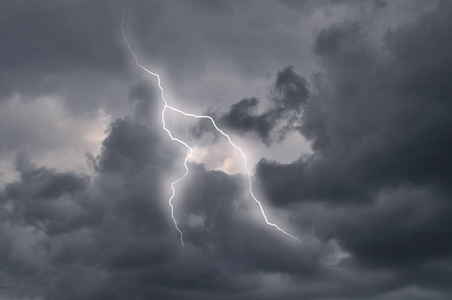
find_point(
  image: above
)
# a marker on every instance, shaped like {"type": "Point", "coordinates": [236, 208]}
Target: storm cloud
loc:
{"type": "Point", "coordinates": [85, 167]}
{"type": "Point", "coordinates": [288, 98]}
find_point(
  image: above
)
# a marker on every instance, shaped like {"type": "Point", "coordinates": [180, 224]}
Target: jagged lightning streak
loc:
{"type": "Point", "coordinates": [190, 150]}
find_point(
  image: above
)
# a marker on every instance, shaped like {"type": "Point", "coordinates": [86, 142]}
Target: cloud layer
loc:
{"type": "Point", "coordinates": [371, 203]}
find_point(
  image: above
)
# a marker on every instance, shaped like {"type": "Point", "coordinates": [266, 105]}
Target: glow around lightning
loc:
{"type": "Point", "coordinates": [190, 150]}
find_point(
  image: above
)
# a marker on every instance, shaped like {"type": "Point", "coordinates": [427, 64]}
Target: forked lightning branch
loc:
{"type": "Point", "coordinates": [189, 149]}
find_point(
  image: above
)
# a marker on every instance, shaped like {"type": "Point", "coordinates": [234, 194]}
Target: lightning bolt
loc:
{"type": "Point", "coordinates": [190, 150]}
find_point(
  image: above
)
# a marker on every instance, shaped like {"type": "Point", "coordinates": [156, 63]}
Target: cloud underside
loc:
{"type": "Point", "coordinates": [372, 204]}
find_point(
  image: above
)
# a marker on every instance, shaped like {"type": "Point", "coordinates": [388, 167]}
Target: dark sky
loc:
{"type": "Point", "coordinates": [344, 108]}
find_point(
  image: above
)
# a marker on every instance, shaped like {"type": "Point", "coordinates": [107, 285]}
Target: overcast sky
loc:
{"type": "Point", "coordinates": [344, 109]}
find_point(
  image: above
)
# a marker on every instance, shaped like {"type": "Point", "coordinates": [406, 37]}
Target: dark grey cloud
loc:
{"type": "Point", "coordinates": [289, 95]}
{"type": "Point", "coordinates": [380, 128]}
{"type": "Point", "coordinates": [371, 203]}
{"type": "Point", "coordinates": [369, 128]}
{"type": "Point", "coordinates": [115, 230]}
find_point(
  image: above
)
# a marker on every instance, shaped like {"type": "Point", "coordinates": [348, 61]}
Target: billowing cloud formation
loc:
{"type": "Point", "coordinates": [101, 238]}
{"type": "Point", "coordinates": [381, 132]}
{"type": "Point", "coordinates": [288, 98]}
{"type": "Point", "coordinates": [289, 95]}
{"type": "Point", "coordinates": [371, 204]}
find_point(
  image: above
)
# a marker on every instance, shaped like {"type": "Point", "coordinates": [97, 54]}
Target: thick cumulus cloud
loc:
{"type": "Point", "coordinates": [371, 204]}
{"type": "Point", "coordinates": [380, 126]}
{"type": "Point", "coordinates": [380, 122]}
{"type": "Point", "coordinates": [109, 237]}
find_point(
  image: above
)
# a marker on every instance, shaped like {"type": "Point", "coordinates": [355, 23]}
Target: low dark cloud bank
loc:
{"type": "Point", "coordinates": [372, 203]}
